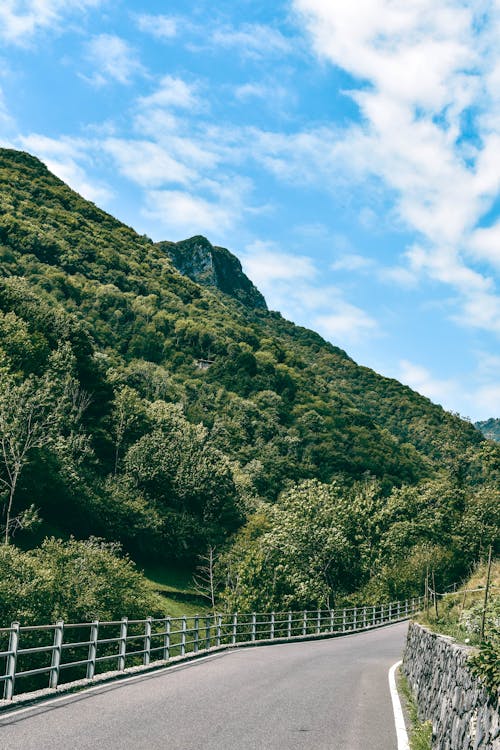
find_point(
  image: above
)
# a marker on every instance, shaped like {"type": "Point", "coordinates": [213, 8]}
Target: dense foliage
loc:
{"type": "Point", "coordinates": [316, 460]}
{"type": "Point", "coordinates": [76, 581]}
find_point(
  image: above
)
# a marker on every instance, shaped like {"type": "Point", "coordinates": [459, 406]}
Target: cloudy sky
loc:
{"type": "Point", "coordinates": [347, 152]}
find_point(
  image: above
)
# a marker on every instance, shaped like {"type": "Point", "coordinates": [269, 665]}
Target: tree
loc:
{"type": "Point", "coordinates": [205, 579]}
{"type": "Point", "coordinates": [33, 413]}
{"type": "Point", "coordinates": [28, 419]}
{"type": "Point", "coordinates": [295, 554]}
{"type": "Point", "coordinates": [127, 409]}
{"type": "Point", "coordinates": [73, 580]}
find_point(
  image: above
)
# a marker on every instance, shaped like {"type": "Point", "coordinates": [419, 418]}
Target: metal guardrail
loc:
{"type": "Point", "coordinates": [141, 641]}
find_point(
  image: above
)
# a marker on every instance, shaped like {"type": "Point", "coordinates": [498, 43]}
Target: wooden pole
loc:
{"type": "Point", "coordinates": [435, 595]}
{"type": "Point", "coordinates": [427, 593]}
{"type": "Point", "coordinates": [486, 592]}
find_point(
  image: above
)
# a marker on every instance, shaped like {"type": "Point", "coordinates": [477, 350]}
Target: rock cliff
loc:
{"type": "Point", "coordinates": [213, 266]}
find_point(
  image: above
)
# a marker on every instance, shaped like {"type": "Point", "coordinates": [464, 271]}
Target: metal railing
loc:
{"type": "Point", "coordinates": [78, 650]}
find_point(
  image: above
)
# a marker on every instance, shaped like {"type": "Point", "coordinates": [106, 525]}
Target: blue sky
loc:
{"type": "Point", "coordinates": [348, 153]}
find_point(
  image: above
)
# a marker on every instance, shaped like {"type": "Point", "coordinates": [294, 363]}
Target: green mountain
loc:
{"type": "Point", "coordinates": [490, 428]}
{"type": "Point", "coordinates": [175, 405]}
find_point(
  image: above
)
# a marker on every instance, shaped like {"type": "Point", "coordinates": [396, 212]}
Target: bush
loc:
{"type": "Point", "coordinates": [486, 663]}
{"type": "Point", "coordinates": [76, 581]}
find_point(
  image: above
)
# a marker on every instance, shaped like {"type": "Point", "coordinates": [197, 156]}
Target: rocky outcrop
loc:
{"type": "Point", "coordinates": [490, 428]}
{"type": "Point", "coordinates": [214, 266]}
{"type": "Point", "coordinates": [463, 715]}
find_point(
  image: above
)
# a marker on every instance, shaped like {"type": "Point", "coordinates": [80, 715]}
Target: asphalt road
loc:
{"type": "Point", "coordinates": [319, 695]}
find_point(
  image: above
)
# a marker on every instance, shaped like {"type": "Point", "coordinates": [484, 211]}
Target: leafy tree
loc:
{"type": "Point", "coordinates": [77, 581]}
{"type": "Point", "coordinates": [34, 413]}
{"type": "Point", "coordinates": [301, 559]}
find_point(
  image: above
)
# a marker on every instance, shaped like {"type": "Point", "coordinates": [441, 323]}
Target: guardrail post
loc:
{"type": "Point", "coordinates": [318, 622]}
{"type": "Point", "coordinates": [208, 625]}
{"type": "Point", "coordinates": [390, 611]}
{"type": "Point", "coordinates": [332, 620]}
{"type": "Point", "coordinates": [219, 630]}
{"type": "Point", "coordinates": [56, 654]}
{"type": "Point", "coordinates": [304, 623]}
{"type": "Point", "coordinates": [10, 669]}
{"type": "Point", "coordinates": [147, 642]}
{"type": "Point", "coordinates": [166, 640]}
{"type": "Point", "coordinates": [413, 606]}
{"type": "Point", "coordinates": [254, 626]}
{"type": "Point", "coordinates": [399, 610]}
{"type": "Point", "coordinates": [364, 617]}
{"type": "Point", "coordinates": [196, 634]}
{"type": "Point", "coordinates": [289, 625]}
{"type": "Point", "coordinates": [94, 631]}
{"type": "Point", "coordinates": [343, 620]}
{"type": "Point", "coordinates": [374, 615]}
{"type": "Point", "coordinates": [183, 635]}
{"type": "Point", "coordinates": [355, 618]}
{"type": "Point", "coordinates": [122, 644]}
{"type": "Point", "coordinates": [271, 626]}
{"type": "Point", "coordinates": [406, 607]}
{"type": "Point", "coordinates": [235, 628]}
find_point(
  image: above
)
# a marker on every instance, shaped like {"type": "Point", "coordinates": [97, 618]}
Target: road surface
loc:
{"type": "Point", "coordinates": [317, 695]}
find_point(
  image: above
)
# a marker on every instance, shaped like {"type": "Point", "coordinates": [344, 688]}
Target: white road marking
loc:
{"type": "Point", "coordinates": [399, 721]}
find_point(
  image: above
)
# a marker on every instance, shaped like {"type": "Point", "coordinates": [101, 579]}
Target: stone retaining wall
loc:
{"type": "Point", "coordinates": [463, 716]}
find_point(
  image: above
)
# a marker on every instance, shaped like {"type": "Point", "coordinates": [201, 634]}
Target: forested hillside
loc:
{"type": "Point", "coordinates": [172, 411]}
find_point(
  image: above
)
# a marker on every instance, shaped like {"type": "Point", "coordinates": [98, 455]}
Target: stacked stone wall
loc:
{"type": "Point", "coordinates": [463, 715]}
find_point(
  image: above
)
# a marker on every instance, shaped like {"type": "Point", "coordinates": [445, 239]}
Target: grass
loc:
{"type": "Point", "coordinates": [459, 613]}
{"type": "Point", "coordinates": [174, 608]}
{"type": "Point", "coordinates": [175, 585]}
{"type": "Point", "coordinates": [459, 616]}
{"type": "Point", "coordinates": [169, 579]}
{"type": "Point", "coordinates": [420, 734]}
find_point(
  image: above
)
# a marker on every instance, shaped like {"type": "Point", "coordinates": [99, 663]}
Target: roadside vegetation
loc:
{"type": "Point", "coordinates": [460, 615]}
{"type": "Point", "coordinates": [419, 733]}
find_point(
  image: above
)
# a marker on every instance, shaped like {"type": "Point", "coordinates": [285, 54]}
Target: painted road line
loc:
{"type": "Point", "coordinates": [399, 720]}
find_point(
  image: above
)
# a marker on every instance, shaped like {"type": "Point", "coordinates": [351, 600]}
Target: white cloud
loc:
{"type": "Point", "coordinates": [63, 157]}
{"type": "Point", "coordinates": [487, 401]}
{"type": "Point", "coordinates": [20, 20]}
{"type": "Point", "coordinates": [252, 90]}
{"type": "Point", "coordinates": [352, 262]}
{"type": "Point", "coordinates": [113, 59]}
{"type": "Point", "coordinates": [270, 92]}
{"type": "Point", "coordinates": [147, 164]}
{"type": "Point", "coordinates": [172, 92]}
{"type": "Point", "coordinates": [485, 244]}
{"type": "Point", "coordinates": [292, 285]}
{"type": "Point", "coordinates": [421, 380]}
{"type": "Point", "coordinates": [346, 323]}
{"type": "Point", "coordinates": [6, 120]}
{"type": "Point", "coordinates": [185, 213]}
{"type": "Point", "coordinates": [161, 27]}
{"type": "Point", "coordinates": [212, 208]}
{"type": "Point", "coordinates": [266, 264]}
{"type": "Point", "coordinates": [252, 40]}
{"type": "Point", "coordinates": [478, 392]}
{"type": "Point", "coordinates": [412, 136]}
